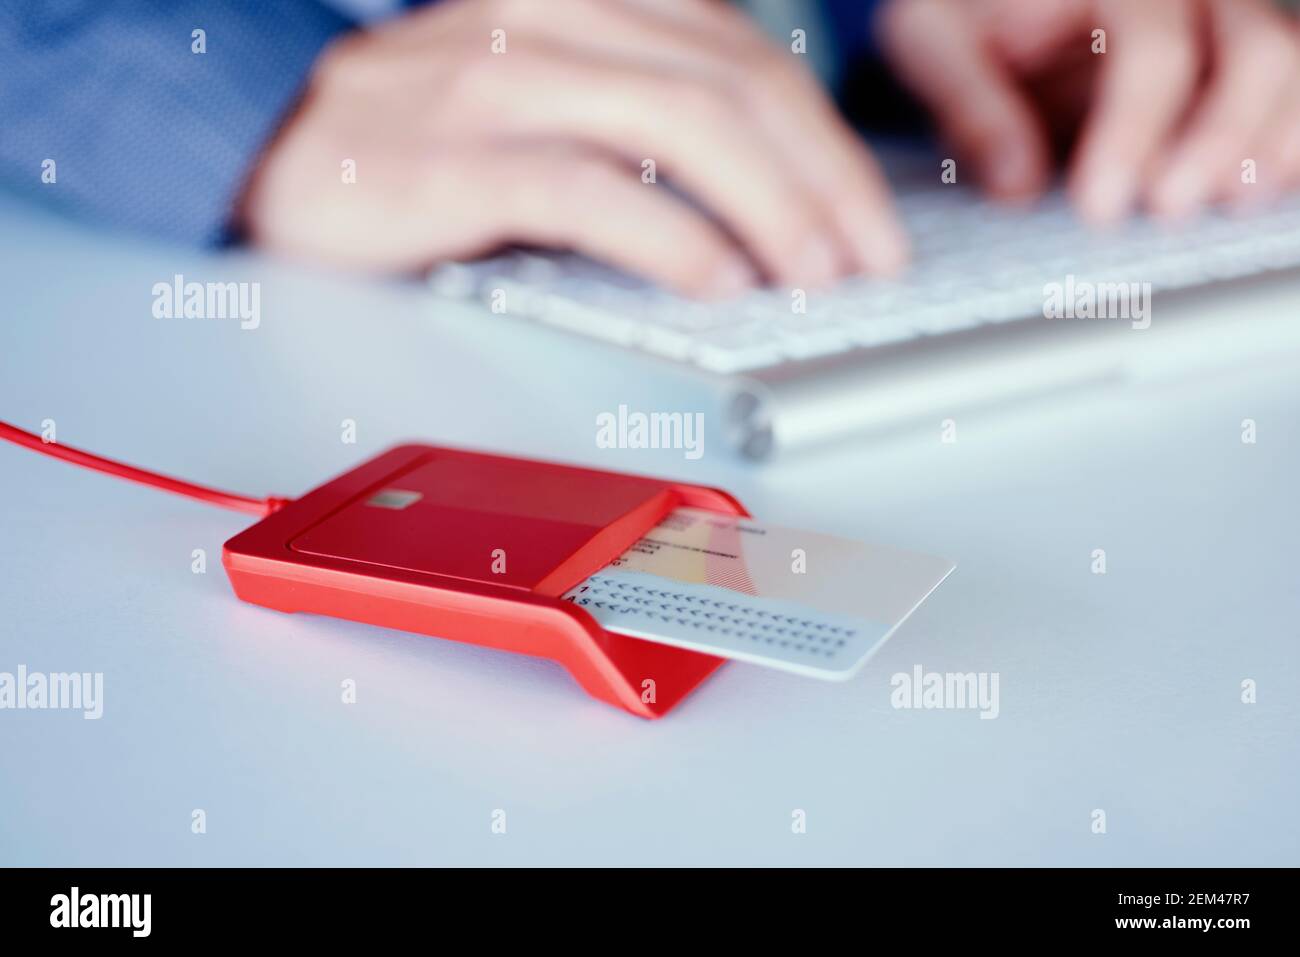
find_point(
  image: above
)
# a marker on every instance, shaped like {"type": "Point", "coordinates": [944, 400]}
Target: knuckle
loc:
{"type": "Point", "coordinates": [466, 78]}
{"type": "Point", "coordinates": [910, 22]}
{"type": "Point", "coordinates": [1272, 52]}
{"type": "Point", "coordinates": [1171, 56]}
{"type": "Point", "coordinates": [585, 176]}
{"type": "Point", "coordinates": [696, 264]}
{"type": "Point", "coordinates": [772, 68]}
{"type": "Point", "coordinates": [510, 12]}
{"type": "Point", "coordinates": [476, 76]}
{"type": "Point", "coordinates": [791, 249]}
{"type": "Point", "coordinates": [704, 103]}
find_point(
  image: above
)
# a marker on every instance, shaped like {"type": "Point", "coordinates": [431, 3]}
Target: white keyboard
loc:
{"type": "Point", "coordinates": [975, 263]}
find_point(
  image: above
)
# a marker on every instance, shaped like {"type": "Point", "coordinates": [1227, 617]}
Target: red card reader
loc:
{"type": "Point", "coordinates": [461, 545]}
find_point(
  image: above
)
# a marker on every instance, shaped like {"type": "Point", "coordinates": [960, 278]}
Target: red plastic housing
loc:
{"type": "Point", "coordinates": [476, 548]}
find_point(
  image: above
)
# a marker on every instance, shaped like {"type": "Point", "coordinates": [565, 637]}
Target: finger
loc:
{"type": "Point", "coordinates": [1287, 151]}
{"type": "Point", "coordinates": [721, 23]}
{"type": "Point", "coordinates": [942, 56]}
{"type": "Point", "coordinates": [836, 163]}
{"type": "Point", "coordinates": [1270, 164]}
{"type": "Point", "coordinates": [690, 129]}
{"type": "Point", "coordinates": [1255, 58]}
{"type": "Point", "coordinates": [1148, 73]}
{"type": "Point", "coordinates": [800, 123]}
{"type": "Point", "coordinates": [1029, 34]}
{"type": "Point", "coordinates": [830, 158]}
{"type": "Point", "coordinates": [596, 205]}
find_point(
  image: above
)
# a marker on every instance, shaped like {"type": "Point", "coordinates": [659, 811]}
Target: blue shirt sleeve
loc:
{"type": "Point", "coordinates": [144, 132]}
{"type": "Point", "coordinates": [852, 23]}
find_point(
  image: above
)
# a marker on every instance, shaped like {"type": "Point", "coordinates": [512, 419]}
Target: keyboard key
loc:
{"type": "Point", "coordinates": [975, 263]}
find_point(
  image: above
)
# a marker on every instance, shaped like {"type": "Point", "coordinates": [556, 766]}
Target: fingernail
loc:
{"type": "Point", "coordinates": [1107, 194]}
{"type": "Point", "coordinates": [819, 262]}
{"type": "Point", "coordinates": [734, 277]}
{"type": "Point", "coordinates": [1011, 170]}
{"type": "Point", "coordinates": [1180, 193]}
{"type": "Point", "coordinates": [884, 249]}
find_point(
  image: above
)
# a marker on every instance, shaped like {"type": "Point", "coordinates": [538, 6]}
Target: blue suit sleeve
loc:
{"type": "Point", "coordinates": [144, 132]}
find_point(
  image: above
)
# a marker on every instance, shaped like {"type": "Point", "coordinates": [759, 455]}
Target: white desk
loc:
{"type": "Point", "coordinates": [1118, 691]}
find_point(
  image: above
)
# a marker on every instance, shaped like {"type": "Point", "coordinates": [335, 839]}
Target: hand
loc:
{"type": "Point", "coordinates": [1185, 93]}
{"type": "Point", "coordinates": [459, 150]}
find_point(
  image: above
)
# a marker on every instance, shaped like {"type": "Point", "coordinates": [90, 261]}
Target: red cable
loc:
{"type": "Point", "coordinates": [239, 503]}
